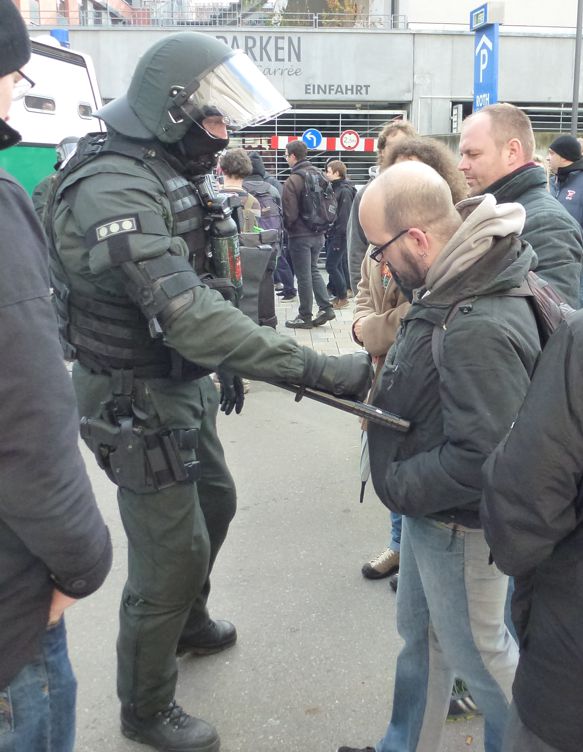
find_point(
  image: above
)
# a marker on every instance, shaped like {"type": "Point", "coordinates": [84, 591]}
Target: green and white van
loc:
{"type": "Point", "coordinates": [59, 105]}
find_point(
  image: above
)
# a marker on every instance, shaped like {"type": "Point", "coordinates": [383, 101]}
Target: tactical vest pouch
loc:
{"type": "Point", "coordinates": [141, 460]}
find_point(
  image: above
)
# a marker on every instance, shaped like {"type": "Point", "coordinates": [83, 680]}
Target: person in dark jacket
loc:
{"type": "Point", "coordinates": [54, 545]}
{"type": "Point", "coordinates": [304, 245]}
{"type": "Point", "coordinates": [497, 150]}
{"type": "Point", "coordinates": [336, 250]}
{"type": "Point", "coordinates": [460, 340]}
{"type": "Point", "coordinates": [260, 174]}
{"type": "Point", "coordinates": [566, 183]}
{"type": "Point", "coordinates": [532, 511]}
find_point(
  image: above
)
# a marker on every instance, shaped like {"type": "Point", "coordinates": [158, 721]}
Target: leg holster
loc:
{"type": "Point", "coordinates": [140, 459]}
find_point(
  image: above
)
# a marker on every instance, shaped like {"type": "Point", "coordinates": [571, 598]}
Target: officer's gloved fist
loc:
{"type": "Point", "coordinates": [342, 375]}
{"type": "Point", "coordinates": [232, 392]}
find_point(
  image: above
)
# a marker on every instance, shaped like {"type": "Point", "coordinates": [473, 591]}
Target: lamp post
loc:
{"type": "Point", "coordinates": [577, 71]}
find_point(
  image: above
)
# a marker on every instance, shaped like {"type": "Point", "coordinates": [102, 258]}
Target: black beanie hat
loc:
{"type": "Point", "coordinates": [14, 41]}
{"type": "Point", "coordinates": [567, 147]}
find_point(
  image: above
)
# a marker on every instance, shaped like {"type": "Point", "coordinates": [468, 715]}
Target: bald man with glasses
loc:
{"type": "Point", "coordinates": [459, 371]}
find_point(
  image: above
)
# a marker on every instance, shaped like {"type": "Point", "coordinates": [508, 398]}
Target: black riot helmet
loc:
{"type": "Point", "coordinates": [186, 77]}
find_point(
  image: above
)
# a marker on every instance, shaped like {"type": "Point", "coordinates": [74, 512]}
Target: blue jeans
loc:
{"type": "Point", "coordinates": [396, 526]}
{"type": "Point", "coordinates": [304, 254]}
{"type": "Point", "coordinates": [450, 613]}
{"type": "Point", "coordinates": [285, 275]}
{"type": "Point", "coordinates": [336, 279]}
{"type": "Point", "coordinates": [37, 708]}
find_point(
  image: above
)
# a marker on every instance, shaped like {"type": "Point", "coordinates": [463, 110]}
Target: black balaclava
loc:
{"type": "Point", "coordinates": [198, 151]}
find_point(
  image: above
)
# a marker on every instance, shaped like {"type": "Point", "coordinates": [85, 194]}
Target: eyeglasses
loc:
{"type": "Point", "coordinates": [377, 252]}
{"type": "Point", "coordinates": [22, 86]}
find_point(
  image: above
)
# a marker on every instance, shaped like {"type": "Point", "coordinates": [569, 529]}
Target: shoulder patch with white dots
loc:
{"type": "Point", "coordinates": [112, 228]}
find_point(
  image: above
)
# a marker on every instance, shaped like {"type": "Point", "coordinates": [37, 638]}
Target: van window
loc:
{"type": "Point", "coordinates": [39, 104]}
{"type": "Point", "coordinates": [85, 111]}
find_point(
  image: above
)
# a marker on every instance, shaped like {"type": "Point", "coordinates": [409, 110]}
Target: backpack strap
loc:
{"type": "Point", "coordinates": [249, 201]}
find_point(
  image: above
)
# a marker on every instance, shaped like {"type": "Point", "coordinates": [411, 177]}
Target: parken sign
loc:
{"type": "Point", "coordinates": [306, 66]}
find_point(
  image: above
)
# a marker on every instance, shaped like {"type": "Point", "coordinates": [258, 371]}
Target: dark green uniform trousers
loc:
{"type": "Point", "coordinates": [173, 535]}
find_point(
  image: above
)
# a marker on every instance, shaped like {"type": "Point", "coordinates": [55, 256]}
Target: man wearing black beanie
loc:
{"type": "Point", "coordinates": [54, 546]}
{"type": "Point", "coordinates": [566, 165]}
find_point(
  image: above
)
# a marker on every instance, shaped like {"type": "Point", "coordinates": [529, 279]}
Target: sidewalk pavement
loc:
{"type": "Point", "coordinates": [333, 338]}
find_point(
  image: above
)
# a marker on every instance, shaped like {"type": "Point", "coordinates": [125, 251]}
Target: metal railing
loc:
{"type": "Point", "coordinates": [152, 16]}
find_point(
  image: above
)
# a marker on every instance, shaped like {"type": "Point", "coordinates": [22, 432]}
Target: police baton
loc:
{"type": "Point", "coordinates": [354, 407]}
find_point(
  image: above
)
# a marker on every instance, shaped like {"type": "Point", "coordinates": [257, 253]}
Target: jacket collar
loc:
{"type": "Point", "coordinates": [574, 167]}
{"type": "Point", "coordinates": [8, 136]}
{"type": "Point", "coordinates": [505, 266]}
{"type": "Point", "coordinates": [301, 165]}
{"type": "Point", "coordinates": [512, 186]}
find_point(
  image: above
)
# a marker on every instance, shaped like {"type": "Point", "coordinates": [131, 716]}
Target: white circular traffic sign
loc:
{"type": "Point", "coordinates": [349, 140]}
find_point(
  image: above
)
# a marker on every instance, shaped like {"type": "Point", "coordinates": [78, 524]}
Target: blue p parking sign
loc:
{"type": "Point", "coordinates": [486, 66]}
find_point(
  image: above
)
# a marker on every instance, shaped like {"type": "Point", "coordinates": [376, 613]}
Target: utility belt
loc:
{"type": "Point", "coordinates": [175, 367]}
{"type": "Point", "coordinates": [140, 459]}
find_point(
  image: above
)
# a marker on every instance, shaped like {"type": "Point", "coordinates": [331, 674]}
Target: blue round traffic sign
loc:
{"type": "Point", "coordinates": [312, 138]}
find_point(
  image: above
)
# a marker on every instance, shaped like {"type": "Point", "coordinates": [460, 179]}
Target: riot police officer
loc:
{"type": "Point", "coordinates": [140, 239]}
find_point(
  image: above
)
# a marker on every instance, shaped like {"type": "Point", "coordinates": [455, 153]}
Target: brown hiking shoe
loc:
{"type": "Point", "coordinates": [384, 565]}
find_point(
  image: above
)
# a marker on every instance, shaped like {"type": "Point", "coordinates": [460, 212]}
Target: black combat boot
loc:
{"type": "Point", "coordinates": [216, 636]}
{"type": "Point", "coordinates": [170, 730]}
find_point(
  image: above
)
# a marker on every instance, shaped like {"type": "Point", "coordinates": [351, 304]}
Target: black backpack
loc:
{"type": "Point", "coordinates": [549, 308]}
{"type": "Point", "coordinates": [318, 205]}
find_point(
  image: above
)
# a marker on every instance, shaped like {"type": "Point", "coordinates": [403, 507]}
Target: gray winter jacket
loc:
{"type": "Point", "coordinates": [459, 413]}
{"type": "Point", "coordinates": [551, 231]}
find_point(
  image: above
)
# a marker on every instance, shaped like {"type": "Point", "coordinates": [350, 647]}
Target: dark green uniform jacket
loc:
{"type": "Point", "coordinates": [549, 228]}
{"type": "Point", "coordinates": [204, 330]}
{"type": "Point", "coordinates": [460, 413]}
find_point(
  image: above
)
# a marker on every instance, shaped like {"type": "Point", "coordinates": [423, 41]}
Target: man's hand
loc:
{"type": "Point", "coordinates": [357, 329]}
{"type": "Point", "coordinates": [59, 603]}
{"type": "Point", "coordinates": [232, 392]}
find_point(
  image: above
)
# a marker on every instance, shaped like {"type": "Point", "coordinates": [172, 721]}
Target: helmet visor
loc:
{"type": "Point", "coordinates": [238, 91]}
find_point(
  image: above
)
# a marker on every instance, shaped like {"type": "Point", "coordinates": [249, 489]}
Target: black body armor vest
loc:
{"type": "Point", "coordinates": [106, 333]}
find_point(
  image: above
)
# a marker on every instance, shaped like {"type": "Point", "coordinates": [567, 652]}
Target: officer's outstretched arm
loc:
{"type": "Point", "coordinates": [151, 264]}
{"type": "Point", "coordinates": [209, 331]}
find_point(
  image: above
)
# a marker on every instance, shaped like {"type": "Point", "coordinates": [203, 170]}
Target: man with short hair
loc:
{"type": "Point", "coordinates": [566, 183]}
{"type": "Point", "coordinates": [304, 245]}
{"type": "Point", "coordinates": [497, 149]}
{"type": "Point", "coordinates": [462, 337]}
{"type": "Point", "coordinates": [336, 239]}
{"type": "Point", "coordinates": [236, 166]}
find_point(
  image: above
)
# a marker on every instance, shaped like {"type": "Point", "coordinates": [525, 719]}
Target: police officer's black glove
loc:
{"type": "Point", "coordinates": [342, 375]}
{"type": "Point", "coordinates": [232, 392]}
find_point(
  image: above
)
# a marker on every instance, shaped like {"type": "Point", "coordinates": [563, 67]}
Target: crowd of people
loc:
{"type": "Point", "coordinates": [484, 490]}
